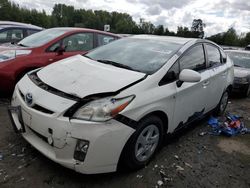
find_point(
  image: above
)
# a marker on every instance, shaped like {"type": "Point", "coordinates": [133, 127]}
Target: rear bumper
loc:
{"type": "Point", "coordinates": [106, 140]}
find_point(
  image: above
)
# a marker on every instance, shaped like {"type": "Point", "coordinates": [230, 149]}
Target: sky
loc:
{"type": "Point", "coordinates": [218, 15]}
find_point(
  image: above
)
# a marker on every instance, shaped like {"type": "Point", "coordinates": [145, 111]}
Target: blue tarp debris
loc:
{"type": "Point", "coordinates": [228, 125]}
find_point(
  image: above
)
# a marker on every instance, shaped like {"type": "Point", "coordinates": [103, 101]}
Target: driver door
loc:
{"type": "Point", "coordinates": [191, 97]}
{"type": "Point", "coordinates": [78, 43]}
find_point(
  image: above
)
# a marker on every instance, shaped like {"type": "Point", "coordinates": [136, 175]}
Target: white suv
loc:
{"type": "Point", "coordinates": [116, 104]}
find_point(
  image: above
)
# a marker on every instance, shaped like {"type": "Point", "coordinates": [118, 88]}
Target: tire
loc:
{"type": "Point", "coordinates": [247, 91]}
{"type": "Point", "coordinates": [221, 107]}
{"type": "Point", "coordinates": [144, 143]}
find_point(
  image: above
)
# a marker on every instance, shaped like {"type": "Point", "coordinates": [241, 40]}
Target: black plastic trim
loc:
{"type": "Point", "coordinates": [127, 121]}
{"type": "Point", "coordinates": [36, 80]}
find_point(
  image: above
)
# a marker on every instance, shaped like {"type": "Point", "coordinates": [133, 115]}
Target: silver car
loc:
{"type": "Point", "coordinates": [241, 60]}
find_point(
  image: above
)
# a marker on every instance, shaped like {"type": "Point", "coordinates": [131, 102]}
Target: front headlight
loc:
{"type": "Point", "coordinates": [240, 80]}
{"type": "Point", "coordinates": [102, 109]}
{"type": "Point", "coordinates": [12, 54]}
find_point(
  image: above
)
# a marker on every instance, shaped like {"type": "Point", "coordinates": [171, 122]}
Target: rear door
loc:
{"type": "Point", "coordinates": [218, 72]}
{"type": "Point", "coordinates": [191, 98]}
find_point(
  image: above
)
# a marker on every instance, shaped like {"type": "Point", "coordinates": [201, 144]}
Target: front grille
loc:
{"type": "Point", "coordinates": [36, 106]}
{"type": "Point", "coordinates": [42, 109]}
{"type": "Point", "coordinates": [44, 138]}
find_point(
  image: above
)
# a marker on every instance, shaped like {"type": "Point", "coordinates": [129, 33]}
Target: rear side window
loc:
{"type": "Point", "coordinates": [104, 39]}
{"type": "Point", "coordinates": [213, 55]}
{"type": "Point", "coordinates": [194, 59]}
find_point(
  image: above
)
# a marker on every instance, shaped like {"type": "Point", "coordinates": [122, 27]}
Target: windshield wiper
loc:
{"type": "Point", "coordinates": [116, 64]}
{"type": "Point", "coordinates": [237, 66]}
{"type": "Point", "coordinates": [20, 44]}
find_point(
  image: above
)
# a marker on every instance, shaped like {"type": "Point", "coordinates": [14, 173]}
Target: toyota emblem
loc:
{"type": "Point", "coordinates": [29, 99]}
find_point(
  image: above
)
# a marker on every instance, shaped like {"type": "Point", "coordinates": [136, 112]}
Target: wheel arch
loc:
{"type": "Point", "coordinates": [162, 115]}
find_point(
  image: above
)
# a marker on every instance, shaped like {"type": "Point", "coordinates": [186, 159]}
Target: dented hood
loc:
{"type": "Point", "coordinates": [81, 76]}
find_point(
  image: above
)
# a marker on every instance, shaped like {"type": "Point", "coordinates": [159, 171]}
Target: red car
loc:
{"type": "Point", "coordinates": [43, 48]}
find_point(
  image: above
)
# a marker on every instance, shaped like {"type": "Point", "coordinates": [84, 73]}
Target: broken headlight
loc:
{"type": "Point", "coordinates": [102, 109]}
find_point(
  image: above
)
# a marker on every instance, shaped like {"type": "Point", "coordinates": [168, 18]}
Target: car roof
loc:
{"type": "Point", "coordinates": [18, 24]}
{"type": "Point", "coordinates": [239, 51]}
{"type": "Point", "coordinates": [82, 29]}
{"type": "Point", "coordinates": [179, 40]}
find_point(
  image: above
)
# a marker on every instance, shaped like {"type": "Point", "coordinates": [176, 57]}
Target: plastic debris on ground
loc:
{"type": "Point", "coordinates": [160, 183]}
{"type": "Point", "coordinates": [228, 125]}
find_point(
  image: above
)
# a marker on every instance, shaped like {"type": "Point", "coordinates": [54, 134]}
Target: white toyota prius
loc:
{"type": "Point", "coordinates": [115, 104]}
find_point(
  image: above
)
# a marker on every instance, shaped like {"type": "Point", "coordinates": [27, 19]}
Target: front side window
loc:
{"type": "Point", "coordinates": [11, 35]}
{"type": "Point", "coordinates": [16, 34]}
{"type": "Point", "coordinates": [78, 42]}
{"type": "Point", "coordinates": [139, 54]}
{"type": "Point", "coordinates": [213, 55]}
{"type": "Point", "coordinates": [194, 59]}
{"type": "Point", "coordinates": [104, 39]}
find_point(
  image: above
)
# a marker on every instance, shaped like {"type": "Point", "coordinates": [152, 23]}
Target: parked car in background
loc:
{"type": "Point", "coordinates": [117, 103]}
{"type": "Point", "coordinates": [241, 60]}
{"type": "Point", "coordinates": [43, 48]}
{"type": "Point", "coordinates": [247, 47]}
{"type": "Point", "coordinates": [19, 24]}
{"type": "Point", "coordinates": [14, 32]}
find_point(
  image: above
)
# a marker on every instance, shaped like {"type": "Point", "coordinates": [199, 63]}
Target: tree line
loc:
{"type": "Point", "coordinates": [67, 16]}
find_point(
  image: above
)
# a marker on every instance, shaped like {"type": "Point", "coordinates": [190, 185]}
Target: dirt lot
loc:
{"type": "Point", "coordinates": [186, 160]}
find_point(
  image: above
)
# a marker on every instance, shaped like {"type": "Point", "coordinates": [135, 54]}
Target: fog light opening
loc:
{"type": "Point", "coordinates": [81, 150]}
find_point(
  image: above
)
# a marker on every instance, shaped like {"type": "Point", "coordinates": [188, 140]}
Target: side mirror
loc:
{"type": "Point", "coordinates": [60, 50]}
{"type": "Point", "coordinates": [188, 75]}
{"type": "Point", "coordinates": [224, 59]}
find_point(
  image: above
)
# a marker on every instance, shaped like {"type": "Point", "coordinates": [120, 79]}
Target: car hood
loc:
{"type": "Point", "coordinates": [81, 76]}
{"type": "Point", "coordinates": [240, 72]}
{"type": "Point", "coordinates": [9, 46]}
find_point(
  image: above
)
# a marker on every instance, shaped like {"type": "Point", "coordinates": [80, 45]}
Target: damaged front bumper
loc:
{"type": "Point", "coordinates": [56, 136]}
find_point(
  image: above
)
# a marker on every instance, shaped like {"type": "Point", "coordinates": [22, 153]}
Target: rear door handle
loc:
{"type": "Point", "coordinates": [50, 60]}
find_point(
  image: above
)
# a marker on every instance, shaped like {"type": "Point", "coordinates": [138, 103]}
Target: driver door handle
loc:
{"type": "Point", "coordinates": [205, 84]}
{"type": "Point", "coordinates": [50, 60]}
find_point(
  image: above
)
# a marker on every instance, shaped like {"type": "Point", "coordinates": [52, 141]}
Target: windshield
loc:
{"type": "Point", "coordinates": [143, 55]}
{"type": "Point", "coordinates": [41, 38]}
{"type": "Point", "coordinates": [240, 59]}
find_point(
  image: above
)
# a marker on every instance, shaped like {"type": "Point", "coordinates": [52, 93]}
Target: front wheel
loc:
{"type": "Point", "coordinates": [221, 107]}
{"type": "Point", "coordinates": [144, 143]}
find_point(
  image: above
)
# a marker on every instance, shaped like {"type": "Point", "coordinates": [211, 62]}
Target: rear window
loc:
{"type": "Point", "coordinates": [41, 38]}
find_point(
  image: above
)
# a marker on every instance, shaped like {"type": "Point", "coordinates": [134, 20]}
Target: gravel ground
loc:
{"type": "Point", "coordinates": [187, 159]}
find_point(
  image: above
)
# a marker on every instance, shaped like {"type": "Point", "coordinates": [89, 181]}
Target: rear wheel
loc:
{"type": "Point", "coordinates": [144, 143]}
{"type": "Point", "coordinates": [220, 109]}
